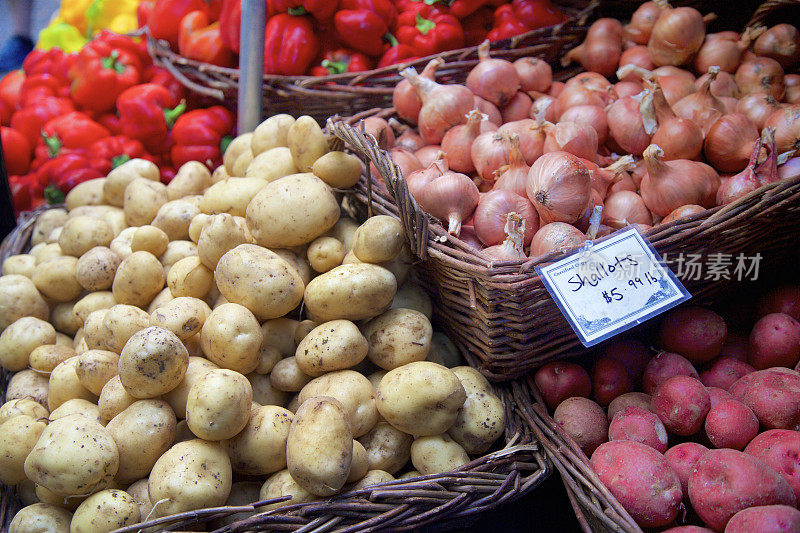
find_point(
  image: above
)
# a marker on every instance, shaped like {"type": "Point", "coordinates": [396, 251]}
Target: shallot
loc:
{"type": "Point", "coordinates": [408, 140]}
{"type": "Point", "coordinates": [531, 135]}
{"type": "Point", "coordinates": [642, 22]}
{"type": "Point", "coordinates": [407, 161]}
{"type": "Point", "coordinates": [559, 187]}
{"type": "Point", "coordinates": [626, 206]}
{"type": "Point", "coordinates": [786, 122]}
{"type": "Point", "coordinates": [544, 106]}
{"type": "Point", "coordinates": [684, 211]}
{"type": "Point", "coordinates": [729, 142]}
{"type": "Point", "coordinates": [556, 237]}
{"type": "Point", "coordinates": [572, 137]}
{"type": "Point", "coordinates": [601, 50]}
{"type": "Point", "coordinates": [677, 35]}
{"type": "Point", "coordinates": [489, 109]}
{"type": "Point", "coordinates": [406, 100]}
{"type": "Point", "coordinates": [380, 129]}
{"type": "Point", "coordinates": [637, 55]}
{"type": "Point", "coordinates": [668, 185]}
{"type": "Point", "coordinates": [490, 216]}
{"type": "Point", "coordinates": [452, 197]}
{"type": "Point", "coordinates": [458, 140]}
{"type": "Point", "coordinates": [514, 176]}
{"type": "Point", "coordinates": [615, 174]}
{"type": "Point", "coordinates": [675, 83]}
{"type": "Point", "coordinates": [790, 169]}
{"type": "Point", "coordinates": [761, 75]}
{"type": "Point", "coordinates": [428, 154]}
{"type": "Point", "coordinates": [631, 122]}
{"type": "Point", "coordinates": [723, 85]}
{"type": "Point", "coordinates": [489, 152]}
{"type": "Point", "coordinates": [418, 180]}
{"type": "Point", "coordinates": [511, 249]}
{"type": "Point", "coordinates": [722, 52]}
{"type": "Point", "coordinates": [757, 107]}
{"type": "Point", "coordinates": [518, 107]}
{"type": "Point", "coordinates": [792, 82]}
{"type": "Point", "coordinates": [534, 74]}
{"type": "Point", "coordinates": [781, 43]}
{"type": "Point", "coordinates": [742, 183]}
{"type": "Point", "coordinates": [702, 107]}
{"type": "Point", "coordinates": [625, 88]}
{"type": "Point", "coordinates": [443, 106]}
{"type": "Point", "coordinates": [680, 138]}
{"type": "Point", "coordinates": [590, 115]}
{"type": "Point", "coordinates": [493, 79]}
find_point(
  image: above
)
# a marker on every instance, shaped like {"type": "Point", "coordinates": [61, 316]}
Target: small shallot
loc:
{"type": "Point", "coordinates": [637, 55]}
{"type": "Point", "coordinates": [642, 22]}
{"type": "Point", "coordinates": [625, 88]}
{"type": "Point", "coordinates": [723, 85]}
{"type": "Point", "coordinates": [781, 43]}
{"type": "Point", "coordinates": [742, 183]}
{"type": "Point", "coordinates": [407, 161]}
{"type": "Point", "coordinates": [514, 176]}
{"type": "Point", "coordinates": [684, 211]}
{"type": "Point", "coordinates": [729, 142]}
{"type": "Point", "coordinates": [511, 249]}
{"type": "Point", "coordinates": [761, 75]}
{"type": "Point", "coordinates": [518, 107]}
{"type": "Point", "coordinates": [489, 152]}
{"type": "Point", "coordinates": [629, 126]}
{"type": "Point", "coordinates": [458, 140]}
{"type": "Point", "coordinates": [615, 174]}
{"type": "Point", "coordinates": [531, 137]}
{"type": "Point", "coordinates": [668, 185]}
{"type": "Point", "coordinates": [544, 106]}
{"type": "Point", "coordinates": [786, 122]}
{"type": "Point", "coordinates": [675, 83]}
{"type": "Point", "coordinates": [724, 53]}
{"type": "Point", "coordinates": [380, 129]}
{"type": "Point", "coordinates": [405, 98]}
{"type": "Point", "coordinates": [757, 107]}
{"type": "Point", "coordinates": [574, 95]}
{"type": "Point", "coordinates": [418, 180]}
{"type": "Point", "coordinates": [602, 48]}
{"type": "Point", "coordinates": [626, 206]}
{"type": "Point", "coordinates": [702, 107]}
{"type": "Point", "coordinates": [792, 82]}
{"type": "Point", "coordinates": [490, 216]}
{"type": "Point", "coordinates": [443, 106]}
{"type": "Point", "coordinates": [489, 109]}
{"type": "Point", "coordinates": [534, 74]}
{"type": "Point", "coordinates": [680, 138]}
{"type": "Point", "coordinates": [559, 187]}
{"type": "Point", "coordinates": [408, 140]}
{"type": "Point", "coordinates": [451, 198]}
{"type": "Point", "coordinates": [556, 237]}
{"type": "Point", "coordinates": [677, 36]}
{"type": "Point", "coordinates": [428, 154]}
{"type": "Point", "coordinates": [468, 237]}
{"type": "Point", "coordinates": [790, 169]}
{"type": "Point", "coordinates": [572, 137]}
{"type": "Point", "coordinates": [493, 79]}
{"type": "Point", "coordinates": [591, 115]}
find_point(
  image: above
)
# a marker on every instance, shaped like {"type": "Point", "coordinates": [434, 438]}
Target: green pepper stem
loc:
{"type": "Point", "coordinates": [171, 115]}
{"type": "Point", "coordinates": [53, 144]}
{"type": "Point", "coordinates": [424, 25]}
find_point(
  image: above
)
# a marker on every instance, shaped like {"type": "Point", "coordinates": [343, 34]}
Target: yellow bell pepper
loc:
{"type": "Point", "coordinates": [73, 12]}
{"type": "Point", "coordinates": [61, 35]}
{"type": "Point", "coordinates": [124, 23]}
{"type": "Point", "coordinates": [101, 14]}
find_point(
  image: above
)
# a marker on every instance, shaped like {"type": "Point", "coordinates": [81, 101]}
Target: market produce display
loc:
{"type": "Point", "coordinates": [69, 118]}
{"type": "Point", "coordinates": [666, 122]}
{"type": "Point", "coordinates": [159, 356]}
{"type": "Point", "coordinates": [711, 418]}
{"type": "Point", "coordinates": [319, 38]}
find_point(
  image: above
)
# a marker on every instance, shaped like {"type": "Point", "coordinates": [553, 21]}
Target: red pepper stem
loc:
{"type": "Point", "coordinates": [112, 63]}
{"type": "Point", "coordinates": [53, 144]}
{"type": "Point", "coordinates": [424, 25]}
{"type": "Point", "coordinates": [171, 115]}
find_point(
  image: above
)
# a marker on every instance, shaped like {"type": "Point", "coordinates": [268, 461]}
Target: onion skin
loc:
{"type": "Point", "coordinates": [790, 169]}
{"type": "Point", "coordinates": [680, 138]}
{"type": "Point", "coordinates": [468, 237]}
{"type": "Point", "coordinates": [489, 152]}
{"type": "Point", "coordinates": [742, 183]}
{"type": "Point", "coordinates": [489, 218]}
{"type": "Point", "coordinates": [684, 211]}
{"type": "Point", "coordinates": [428, 154]}
{"type": "Point", "coordinates": [628, 206]}
{"type": "Point", "coordinates": [511, 249]}
{"type": "Point", "coordinates": [723, 85]}
{"type": "Point", "coordinates": [531, 137]}
{"type": "Point", "coordinates": [405, 99]}
{"type": "Point", "coordinates": [625, 88]}
{"type": "Point", "coordinates": [556, 237]}
{"type": "Point", "coordinates": [792, 83]}
{"type": "Point", "coordinates": [493, 79]}
{"type": "Point", "coordinates": [380, 129]}
{"type": "Point", "coordinates": [577, 139]}
{"type": "Point", "coordinates": [721, 52]}
{"type": "Point", "coordinates": [677, 36]}
{"type": "Point", "coordinates": [544, 106]}
{"type": "Point", "coordinates": [443, 106]}
{"type": "Point", "coordinates": [601, 50]}
{"type": "Point", "coordinates": [518, 108]}
{"type": "Point", "coordinates": [452, 198]}
{"type": "Point", "coordinates": [514, 176]}
{"type": "Point", "coordinates": [488, 109]}
{"type": "Point", "coordinates": [637, 55]}
{"type": "Point", "coordinates": [534, 74]}
{"type": "Point", "coordinates": [729, 142]}
{"type": "Point", "coordinates": [458, 140]}
{"type": "Point", "coordinates": [409, 140]}
{"type": "Point", "coordinates": [757, 107]}
{"type": "Point", "coordinates": [559, 187]}
{"type": "Point", "coordinates": [626, 127]}
{"type": "Point", "coordinates": [590, 115]}
{"type": "Point", "coordinates": [781, 43]}
{"type": "Point", "coordinates": [667, 185]}
{"type": "Point", "coordinates": [642, 22]}
{"type": "Point", "coordinates": [574, 95]}
{"type": "Point", "coordinates": [407, 161]}
{"type": "Point", "coordinates": [786, 122]}
{"type": "Point", "coordinates": [418, 180]}
{"type": "Point", "coordinates": [761, 75]}
{"type": "Point", "coordinates": [701, 107]}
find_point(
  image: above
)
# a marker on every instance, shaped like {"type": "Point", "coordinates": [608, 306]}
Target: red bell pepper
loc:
{"type": "Point", "coordinates": [428, 31]}
{"type": "Point", "coordinates": [109, 153]}
{"type": "Point", "coordinates": [385, 9]}
{"type": "Point", "coordinates": [361, 29]}
{"type": "Point", "coordinates": [5, 114]}
{"type": "Point", "coordinates": [161, 76]}
{"type": "Point", "coordinates": [30, 119]}
{"type": "Point", "coordinates": [321, 10]}
{"type": "Point", "coordinates": [201, 41]}
{"type": "Point", "coordinates": [506, 24]}
{"type": "Point", "coordinates": [164, 21]}
{"type": "Point", "coordinates": [26, 193]}
{"type": "Point", "coordinates": [396, 53]}
{"type": "Point", "coordinates": [16, 151]}
{"type": "Point", "coordinates": [198, 136]}
{"type": "Point", "coordinates": [111, 122]}
{"type": "Point", "coordinates": [464, 8]}
{"type": "Point", "coordinates": [72, 131]}
{"type": "Point", "coordinates": [230, 24]}
{"type": "Point", "coordinates": [143, 11]}
{"type": "Point", "coordinates": [134, 45]}
{"type": "Point", "coordinates": [477, 26]}
{"type": "Point", "coordinates": [101, 74]}
{"type": "Point", "coordinates": [147, 112]}
{"type": "Point", "coordinates": [11, 88]}
{"type": "Point", "coordinates": [341, 61]}
{"type": "Point", "coordinates": [167, 173]}
{"type": "Point", "coordinates": [289, 45]}
{"type": "Point", "coordinates": [53, 62]}
{"type": "Point", "coordinates": [537, 13]}
{"type": "Point", "coordinates": [60, 175]}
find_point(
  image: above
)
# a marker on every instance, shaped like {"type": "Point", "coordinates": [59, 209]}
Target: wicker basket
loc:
{"type": "Point", "coordinates": [350, 93]}
{"type": "Point", "coordinates": [515, 467]}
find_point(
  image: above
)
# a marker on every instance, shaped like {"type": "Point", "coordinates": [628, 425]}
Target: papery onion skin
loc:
{"type": "Point", "coordinates": [626, 127]}
{"type": "Point", "coordinates": [468, 237]}
{"type": "Point", "coordinates": [380, 129]}
{"type": "Point", "coordinates": [702, 107]}
{"type": "Point", "coordinates": [591, 115]}
{"type": "Point", "coordinates": [409, 140]}
{"type": "Point", "coordinates": [642, 22]}
{"type": "Point", "coordinates": [555, 88]}
{"type": "Point", "coordinates": [518, 107]}
{"type": "Point", "coordinates": [668, 185]}
{"type": "Point", "coordinates": [534, 74]}
{"type": "Point", "coordinates": [544, 106]}
{"type": "Point", "coordinates": [637, 55]}
{"type": "Point", "coordinates": [722, 52]}
{"type": "Point", "coordinates": [786, 122]}
{"type": "Point", "coordinates": [684, 211]}
{"type": "Point", "coordinates": [443, 106]}
{"type": "Point", "coordinates": [723, 85]}
{"type": "Point", "coordinates": [680, 138]}
{"type": "Point", "coordinates": [625, 88]}
{"type": "Point", "coordinates": [493, 79]}
{"type": "Point", "coordinates": [489, 152]}
{"type": "Point", "coordinates": [677, 36]}
{"type": "Point", "coordinates": [406, 160]}
{"type": "Point", "coordinates": [511, 248]}
{"type": "Point", "coordinates": [452, 198]}
{"type": "Point", "coordinates": [758, 107]}
{"type": "Point", "coordinates": [489, 218]}
{"type": "Point", "coordinates": [514, 176]}
{"type": "Point", "coordinates": [628, 206]}
{"type": "Point", "coordinates": [742, 183]}
{"type": "Point", "coordinates": [531, 137]}
{"type": "Point", "coordinates": [792, 83]}
{"type": "Point", "coordinates": [601, 50]}
{"type": "Point", "coordinates": [559, 187]}
{"type": "Point", "coordinates": [556, 236]}
{"type": "Point", "coordinates": [418, 180]}
{"type": "Point", "coordinates": [790, 169]}
{"type": "Point", "coordinates": [577, 139]}
{"type": "Point", "coordinates": [781, 43]}
{"type": "Point", "coordinates": [761, 75]}
{"type": "Point", "coordinates": [574, 95]}
{"type": "Point", "coordinates": [405, 99]}
{"type": "Point", "coordinates": [458, 140]}
{"type": "Point", "coordinates": [729, 142]}
{"type": "Point", "coordinates": [488, 109]}
{"type": "Point", "coordinates": [428, 154]}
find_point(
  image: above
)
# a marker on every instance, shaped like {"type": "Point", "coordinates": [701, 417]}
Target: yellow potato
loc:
{"type": "Point", "coordinates": [21, 264]}
{"type": "Point", "coordinates": [279, 333]}
{"type": "Point", "coordinates": [70, 502]}
{"type": "Point", "coordinates": [161, 299]}
{"type": "Point", "coordinates": [338, 169]}
{"type": "Point", "coordinates": [106, 510]}
{"type": "Point", "coordinates": [93, 332]}
{"type": "Point", "coordinates": [298, 263]}
{"type": "Point", "coordinates": [192, 178]}
{"type": "Point", "coordinates": [19, 339]}
{"type": "Point", "coordinates": [120, 323]}
{"type": "Point", "coordinates": [121, 245]}
{"type": "Point", "coordinates": [351, 292]}
{"type": "Point", "coordinates": [355, 393]}
{"type": "Point", "coordinates": [183, 316]}
{"type": "Point", "coordinates": [139, 278]}
{"type": "Point", "coordinates": [113, 399]}
{"type": "Point", "coordinates": [372, 477]}
{"type": "Point", "coordinates": [21, 406]}
{"type": "Point", "coordinates": [152, 363]}
{"type": "Point", "coordinates": [138, 491]}
{"type": "Point", "coordinates": [197, 224]}
{"type": "Point", "coordinates": [420, 398]}
{"type": "Point", "coordinates": [436, 454]}
{"type": "Point", "coordinates": [45, 358]}
{"type": "Point", "coordinates": [176, 398]}
{"type": "Point", "coordinates": [325, 253]}
{"type": "Point", "coordinates": [319, 449]}
{"type": "Point", "coordinates": [119, 179]}
{"type": "Point", "coordinates": [191, 475]}
{"type": "Point", "coordinates": [94, 301]}
{"type": "Point", "coordinates": [41, 518]}
{"type": "Point", "coordinates": [412, 296]}
{"type": "Point", "coordinates": [87, 193]}
{"type": "Point", "coordinates": [28, 384]}
{"type": "Point", "coordinates": [283, 484]}
{"type": "Point", "coordinates": [375, 378]}
{"type": "Point", "coordinates": [291, 211]}
{"type": "Point", "coordinates": [46, 222]}
{"type": "Point", "coordinates": [307, 142]}
{"type": "Point", "coordinates": [63, 340]}
{"type": "Point", "coordinates": [55, 279]}
{"type": "Point", "coordinates": [264, 393]}
{"type": "Point", "coordinates": [398, 337]}
{"type": "Point", "coordinates": [177, 250]}
{"type": "Point", "coordinates": [237, 147]}
{"type": "Point", "coordinates": [20, 298]}
{"type": "Point", "coordinates": [149, 239]}
{"type": "Point", "coordinates": [218, 405]}
{"type": "Point", "coordinates": [95, 269]}
{"type": "Point", "coordinates": [81, 234]}
{"type": "Point", "coordinates": [334, 345]}
{"type": "Point", "coordinates": [175, 217]}
{"type": "Point", "coordinates": [143, 199]}
{"type": "Point", "coordinates": [95, 368]}
{"type": "Point", "coordinates": [387, 447]}
{"type": "Point", "coordinates": [219, 234]}
{"type": "Point", "coordinates": [64, 385]}
{"type": "Point", "coordinates": [77, 406]}
{"type": "Point", "coordinates": [271, 164]}
{"type": "Point", "coordinates": [220, 173]}
{"type": "Point", "coordinates": [18, 437]}
{"type": "Point", "coordinates": [271, 133]}
{"type": "Point", "coordinates": [26, 490]}
{"type": "Point", "coordinates": [231, 337]}
{"type": "Point", "coordinates": [400, 266]}
{"type": "Point", "coordinates": [231, 196]}
{"type": "Point", "coordinates": [287, 376]}
{"type": "Point", "coordinates": [142, 432]}
{"type": "Point", "coordinates": [378, 240]}
{"type": "Point", "coordinates": [344, 231]}
{"type": "Point", "coordinates": [304, 328]}
{"type": "Point", "coordinates": [190, 278]}
{"type": "Point", "coordinates": [260, 448]}
{"type": "Point", "coordinates": [480, 422]}
{"type": "Point", "coordinates": [360, 464]}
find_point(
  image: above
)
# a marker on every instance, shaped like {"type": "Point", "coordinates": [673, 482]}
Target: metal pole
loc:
{"type": "Point", "coordinates": [251, 64]}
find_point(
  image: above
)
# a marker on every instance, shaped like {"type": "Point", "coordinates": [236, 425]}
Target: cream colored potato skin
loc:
{"type": "Point", "coordinates": [231, 337]}
{"type": "Point", "coordinates": [286, 375]}
{"type": "Point", "coordinates": [64, 385]}
{"type": "Point", "coordinates": [46, 222]}
{"type": "Point", "coordinates": [120, 323]}
{"type": "Point", "coordinates": [152, 363]}
{"type": "Point", "coordinates": [19, 339]}
{"type": "Point", "coordinates": [192, 178]}
{"type": "Point", "coordinates": [184, 316]}
{"type": "Point", "coordinates": [351, 292]}
{"type": "Point", "coordinates": [218, 405]}
{"type": "Point", "coordinates": [307, 142]}
{"type": "Point", "coordinates": [379, 239]}
{"type": "Point", "coordinates": [175, 217]}
{"type": "Point", "coordinates": [20, 298]}
{"type": "Point", "coordinates": [139, 278]}
{"type": "Point", "coordinates": [282, 484]}
{"type": "Point", "coordinates": [260, 448]}
{"type": "Point", "coordinates": [338, 169]}
{"type": "Point", "coordinates": [45, 358]}
{"type": "Point", "coordinates": [41, 518]}
{"type": "Point", "coordinates": [21, 264]}
{"type": "Point", "coordinates": [387, 447]}
{"type": "Point", "coordinates": [436, 454]}
{"type": "Point", "coordinates": [119, 179]}
{"type": "Point", "coordinates": [95, 368]}
{"type": "Point", "coordinates": [22, 406]}
{"type": "Point", "coordinates": [271, 133]}
{"type": "Point", "coordinates": [28, 384]}
{"type": "Point", "coordinates": [87, 193]}
{"type": "Point", "coordinates": [113, 399]}
{"type": "Point", "coordinates": [55, 278]}
{"type": "Point", "coordinates": [398, 337]}
{"type": "Point", "coordinates": [353, 391]}
{"type": "Point", "coordinates": [95, 269]}
{"type": "Point", "coordinates": [18, 436]}
{"type": "Point", "coordinates": [176, 398]}
{"type": "Point", "coordinates": [334, 345]}
{"type": "Point", "coordinates": [81, 234]}
{"type": "Point", "coordinates": [105, 511]}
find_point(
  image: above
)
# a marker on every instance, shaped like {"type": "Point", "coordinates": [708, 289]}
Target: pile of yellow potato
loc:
{"type": "Point", "coordinates": [161, 363]}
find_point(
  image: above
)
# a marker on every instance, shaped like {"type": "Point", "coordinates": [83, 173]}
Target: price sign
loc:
{"type": "Point", "coordinates": [608, 287]}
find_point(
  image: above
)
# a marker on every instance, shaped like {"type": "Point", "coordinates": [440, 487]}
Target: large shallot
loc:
{"type": "Point", "coordinates": [677, 35]}
{"type": "Point", "coordinates": [742, 183]}
{"type": "Point", "coordinates": [559, 187]}
{"type": "Point", "coordinates": [701, 107]}
{"type": "Point", "coordinates": [729, 142]}
{"type": "Point", "coordinates": [452, 197]}
{"type": "Point", "coordinates": [511, 249]}
{"type": "Point", "coordinates": [495, 80]}
{"type": "Point", "coordinates": [602, 48]}
{"type": "Point", "coordinates": [680, 138]}
{"type": "Point", "coordinates": [514, 176]}
{"type": "Point", "coordinates": [458, 140]}
{"type": "Point", "coordinates": [490, 216]}
{"type": "Point", "coordinates": [443, 106]}
{"type": "Point", "coordinates": [668, 185]}
{"type": "Point", "coordinates": [405, 98]}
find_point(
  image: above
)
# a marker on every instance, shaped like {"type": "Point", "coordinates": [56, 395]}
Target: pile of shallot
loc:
{"type": "Point", "coordinates": [666, 122]}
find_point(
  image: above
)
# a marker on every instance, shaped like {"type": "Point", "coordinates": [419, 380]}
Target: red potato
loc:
{"type": "Point", "coordinates": [683, 457]}
{"type": "Point", "coordinates": [609, 380]}
{"type": "Point", "coordinates": [584, 421]}
{"type": "Point", "coordinates": [694, 332]}
{"type": "Point", "coordinates": [724, 482]}
{"type": "Point", "coordinates": [724, 372]}
{"type": "Point", "coordinates": [639, 425]}
{"type": "Point", "coordinates": [682, 404]}
{"type": "Point", "coordinates": [736, 346]}
{"type": "Point", "coordinates": [780, 450]}
{"type": "Point", "coordinates": [641, 479]}
{"type": "Point", "coordinates": [633, 354]}
{"type": "Point", "coordinates": [718, 395]}
{"type": "Point", "coordinates": [629, 399]}
{"type": "Point", "coordinates": [561, 380]}
{"type": "Point", "coordinates": [785, 299]}
{"type": "Point", "coordinates": [773, 395]}
{"type": "Point", "coordinates": [731, 424]}
{"type": "Point", "coordinates": [663, 366]}
{"type": "Point", "coordinates": [774, 341]}
{"type": "Point", "coordinates": [766, 519]}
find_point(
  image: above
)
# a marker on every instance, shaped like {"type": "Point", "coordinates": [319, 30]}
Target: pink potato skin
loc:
{"type": "Point", "coordinates": [641, 480]}
{"type": "Point", "coordinates": [682, 404]}
{"type": "Point", "coordinates": [766, 519]}
{"type": "Point", "coordinates": [664, 366]}
{"type": "Point", "coordinates": [736, 346]}
{"type": "Point", "coordinates": [609, 380]}
{"type": "Point", "coordinates": [584, 421]}
{"type": "Point", "coordinates": [718, 395]}
{"type": "Point", "coordinates": [731, 424]}
{"type": "Point", "coordinates": [780, 450]}
{"type": "Point", "coordinates": [785, 299]}
{"type": "Point", "coordinates": [639, 425]}
{"type": "Point", "coordinates": [724, 482]}
{"type": "Point", "coordinates": [561, 380]}
{"type": "Point", "coordinates": [633, 354]}
{"type": "Point", "coordinates": [773, 395]}
{"type": "Point", "coordinates": [682, 458]}
{"type": "Point", "coordinates": [774, 341]}
{"type": "Point", "coordinates": [724, 372]}
{"type": "Point", "coordinates": [694, 332]}
{"type": "Point", "coordinates": [629, 399]}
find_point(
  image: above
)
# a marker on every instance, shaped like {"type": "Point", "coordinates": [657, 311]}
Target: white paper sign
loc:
{"type": "Point", "coordinates": [608, 287]}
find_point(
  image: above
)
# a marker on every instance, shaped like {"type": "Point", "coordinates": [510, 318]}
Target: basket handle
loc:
{"type": "Point", "coordinates": [766, 9]}
{"type": "Point", "coordinates": [414, 220]}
